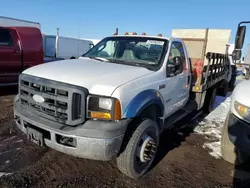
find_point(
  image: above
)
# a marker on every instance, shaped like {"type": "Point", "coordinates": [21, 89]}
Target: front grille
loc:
{"type": "Point", "coordinates": [62, 102]}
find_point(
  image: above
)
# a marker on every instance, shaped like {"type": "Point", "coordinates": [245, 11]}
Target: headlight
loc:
{"type": "Point", "coordinates": [103, 108]}
{"type": "Point", "coordinates": [242, 110]}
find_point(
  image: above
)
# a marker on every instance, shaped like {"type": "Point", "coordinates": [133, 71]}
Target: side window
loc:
{"type": "Point", "coordinates": [176, 59]}
{"type": "Point", "coordinates": [107, 49]}
{"type": "Point", "coordinates": [5, 38]}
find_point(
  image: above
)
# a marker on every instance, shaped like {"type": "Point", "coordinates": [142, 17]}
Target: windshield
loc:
{"type": "Point", "coordinates": [137, 51]}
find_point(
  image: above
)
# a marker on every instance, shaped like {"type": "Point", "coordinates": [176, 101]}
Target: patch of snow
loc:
{"type": "Point", "coordinates": [18, 141]}
{"type": "Point", "coordinates": [4, 174]}
{"type": "Point", "coordinates": [211, 126]}
{"type": "Point", "coordinates": [215, 149]}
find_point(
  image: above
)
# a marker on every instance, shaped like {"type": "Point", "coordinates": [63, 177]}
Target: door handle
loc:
{"type": "Point", "coordinates": [161, 86]}
{"type": "Point", "coordinates": [188, 80]}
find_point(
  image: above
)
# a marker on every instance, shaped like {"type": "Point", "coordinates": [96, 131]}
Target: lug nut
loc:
{"type": "Point", "coordinates": [147, 158]}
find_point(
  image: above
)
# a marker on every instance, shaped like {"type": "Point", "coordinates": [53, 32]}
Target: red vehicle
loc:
{"type": "Point", "coordinates": [20, 48]}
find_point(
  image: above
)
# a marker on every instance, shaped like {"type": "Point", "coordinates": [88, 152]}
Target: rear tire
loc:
{"type": "Point", "coordinates": [223, 89]}
{"type": "Point", "coordinates": [139, 153]}
{"type": "Point", "coordinates": [233, 77]}
{"type": "Point", "coordinates": [229, 152]}
{"type": "Point", "coordinates": [209, 100]}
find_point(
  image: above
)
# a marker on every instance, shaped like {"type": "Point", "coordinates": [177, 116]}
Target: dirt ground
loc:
{"type": "Point", "coordinates": [181, 162]}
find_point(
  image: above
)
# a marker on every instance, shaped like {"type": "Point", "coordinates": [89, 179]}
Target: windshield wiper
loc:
{"type": "Point", "coordinates": [98, 58]}
{"type": "Point", "coordinates": [147, 66]}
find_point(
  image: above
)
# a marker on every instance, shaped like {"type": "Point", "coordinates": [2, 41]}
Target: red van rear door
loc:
{"type": "Point", "coordinates": [10, 56]}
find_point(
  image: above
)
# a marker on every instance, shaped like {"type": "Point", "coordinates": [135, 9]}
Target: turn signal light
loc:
{"type": "Point", "coordinates": [100, 115]}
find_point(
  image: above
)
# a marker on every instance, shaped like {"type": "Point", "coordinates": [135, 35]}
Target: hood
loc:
{"type": "Point", "coordinates": [241, 93]}
{"type": "Point", "coordinates": [100, 78]}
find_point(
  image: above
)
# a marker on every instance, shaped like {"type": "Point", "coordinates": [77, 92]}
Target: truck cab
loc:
{"type": "Point", "coordinates": [20, 48]}
{"type": "Point", "coordinates": [117, 99]}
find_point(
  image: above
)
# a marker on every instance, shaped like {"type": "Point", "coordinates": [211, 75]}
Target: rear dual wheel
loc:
{"type": "Point", "coordinates": [209, 100]}
{"type": "Point", "coordinates": [140, 151]}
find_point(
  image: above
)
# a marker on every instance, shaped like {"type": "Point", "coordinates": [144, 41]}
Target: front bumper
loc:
{"type": "Point", "coordinates": [98, 140]}
{"type": "Point", "coordinates": [239, 133]}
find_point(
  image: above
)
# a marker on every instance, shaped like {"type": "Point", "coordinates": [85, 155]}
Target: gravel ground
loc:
{"type": "Point", "coordinates": [181, 162]}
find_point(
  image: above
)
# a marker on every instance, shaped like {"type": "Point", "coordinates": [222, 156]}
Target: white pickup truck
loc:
{"type": "Point", "coordinates": [117, 99]}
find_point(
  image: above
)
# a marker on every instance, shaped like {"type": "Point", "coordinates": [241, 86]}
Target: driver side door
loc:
{"type": "Point", "coordinates": [178, 75]}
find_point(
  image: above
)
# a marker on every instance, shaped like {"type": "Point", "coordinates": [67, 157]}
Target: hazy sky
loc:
{"type": "Point", "coordinates": [97, 18]}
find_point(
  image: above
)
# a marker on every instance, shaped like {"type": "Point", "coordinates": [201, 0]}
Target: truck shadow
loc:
{"type": "Point", "coordinates": [173, 138]}
{"type": "Point", "coordinates": [10, 90]}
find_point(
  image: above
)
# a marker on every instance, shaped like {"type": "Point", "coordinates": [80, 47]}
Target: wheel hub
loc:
{"type": "Point", "coordinates": [148, 149]}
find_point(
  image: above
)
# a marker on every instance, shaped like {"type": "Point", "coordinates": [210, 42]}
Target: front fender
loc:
{"type": "Point", "coordinates": [141, 101]}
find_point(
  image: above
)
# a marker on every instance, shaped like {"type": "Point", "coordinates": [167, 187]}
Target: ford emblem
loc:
{"type": "Point", "coordinates": [38, 98]}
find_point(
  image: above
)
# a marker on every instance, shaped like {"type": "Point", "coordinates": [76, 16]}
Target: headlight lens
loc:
{"type": "Point", "coordinates": [105, 103]}
{"type": "Point", "coordinates": [242, 110]}
{"type": "Point", "coordinates": [103, 108]}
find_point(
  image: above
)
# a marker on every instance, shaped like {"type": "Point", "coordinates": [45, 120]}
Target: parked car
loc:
{"type": "Point", "coordinates": [58, 47]}
{"type": "Point", "coordinates": [236, 130]}
{"type": "Point", "coordinates": [118, 98]}
{"type": "Point", "coordinates": [20, 48]}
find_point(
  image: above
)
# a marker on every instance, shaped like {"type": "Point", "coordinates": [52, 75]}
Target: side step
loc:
{"type": "Point", "coordinates": [190, 107]}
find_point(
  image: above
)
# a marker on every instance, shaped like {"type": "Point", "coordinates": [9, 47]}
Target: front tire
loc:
{"type": "Point", "coordinates": [139, 153]}
{"type": "Point", "coordinates": [229, 152]}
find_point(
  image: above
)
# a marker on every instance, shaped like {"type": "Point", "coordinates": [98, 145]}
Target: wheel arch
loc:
{"type": "Point", "coordinates": [147, 104]}
{"type": "Point", "coordinates": [142, 101]}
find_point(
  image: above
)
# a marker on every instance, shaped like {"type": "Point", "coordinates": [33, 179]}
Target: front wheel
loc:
{"type": "Point", "coordinates": [140, 151]}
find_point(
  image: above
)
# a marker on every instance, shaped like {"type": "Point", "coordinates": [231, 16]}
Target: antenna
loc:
{"type": "Point", "coordinates": [57, 31]}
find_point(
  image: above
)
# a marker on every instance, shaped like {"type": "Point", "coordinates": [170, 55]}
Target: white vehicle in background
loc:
{"type": "Point", "coordinates": [235, 142]}
{"type": "Point", "coordinates": [8, 22]}
{"type": "Point", "coordinates": [94, 41]}
{"type": "Point", "coordinates": [245, 62]}
{"type": "Point", "coordinates": [59, 48]}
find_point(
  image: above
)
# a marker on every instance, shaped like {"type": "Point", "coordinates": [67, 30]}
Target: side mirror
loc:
{"type": "Point", "coordinates": [171, 69]}
{"type": "Point", "coordinates": [177, 61]}
{"type": "Point", "coordinates": [176, 67]}
{"type": "Point", "coordinates": [236, 55]}
{"type": "Point", "coordinates": [240, 37]}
